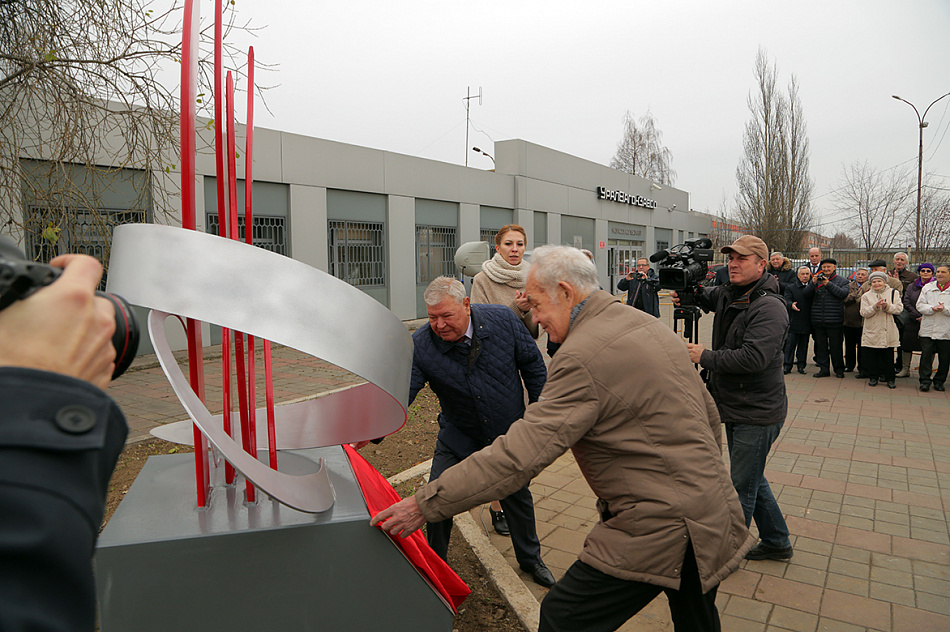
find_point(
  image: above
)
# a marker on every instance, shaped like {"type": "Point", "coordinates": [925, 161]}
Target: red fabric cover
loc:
{"type": "Point", "coordinates": [379, 495]}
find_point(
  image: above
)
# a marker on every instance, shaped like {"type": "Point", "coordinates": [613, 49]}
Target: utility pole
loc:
{"type": "Point", "coordinates": [468, 97]}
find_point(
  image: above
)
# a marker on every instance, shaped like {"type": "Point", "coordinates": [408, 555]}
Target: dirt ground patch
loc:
{"type": "Point", "coordinates": [483, 611]}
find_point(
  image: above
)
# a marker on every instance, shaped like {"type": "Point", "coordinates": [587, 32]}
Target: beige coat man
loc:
{"type": "Point", "coordinates": [623, 395]}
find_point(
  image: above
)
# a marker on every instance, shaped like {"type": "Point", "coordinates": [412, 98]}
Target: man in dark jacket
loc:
{"type": "Point", "coordinates": [827, 291]}
{"type": "Point", "coordinates": [746, 380]}
{"type": "Point", "coordinates": [799, 321]}
{"type": "Point", "coordinates": [640, 287]}
{"type": "Point", "coordinates": [474, 358]}
{"type": "Point", "coordinates": [60, 437]}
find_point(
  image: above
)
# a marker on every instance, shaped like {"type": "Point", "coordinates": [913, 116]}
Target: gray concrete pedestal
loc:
{"type": "Point", "coordinates": [161, 564]}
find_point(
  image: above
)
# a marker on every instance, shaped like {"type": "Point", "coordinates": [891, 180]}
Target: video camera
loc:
{"type": "Point", "coordinates": [683, 268]}
{"type": "Point", "coordinates": [20, 278]}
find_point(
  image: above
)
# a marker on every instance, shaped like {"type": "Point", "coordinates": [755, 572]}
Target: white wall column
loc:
{"type": "Point", "coordinates": [401, 250]}
{"type": "Point", "coordinates": [554, 228]}
{"type": "Point", "coordinates": [308, 221]}
{"type": "Point", "coordinates": [469, 222]}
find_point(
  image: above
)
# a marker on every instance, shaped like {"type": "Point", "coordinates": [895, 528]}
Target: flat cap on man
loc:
{"type": "Point", "coordinates": [748, 245]}
{"type": "Point", "coordinates": [830, 260]}
{"type": "Point", "coordinates": [878, 263]}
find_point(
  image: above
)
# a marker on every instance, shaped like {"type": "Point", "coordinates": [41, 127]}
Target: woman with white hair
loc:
{"type": "Point", "coordinates": [879, 336]}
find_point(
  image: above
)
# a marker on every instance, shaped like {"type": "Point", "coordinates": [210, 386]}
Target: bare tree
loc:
{"type": "Point", "coordinates": [86, 121]}
{"type": "Point", "coordinates": [641, 152]}
{"type": "Point", "coordinates": [774, 187]}
{"type": "Point", "coordinates": [934, 223]}
{"type": "Point", "coordinates": [878, 206]}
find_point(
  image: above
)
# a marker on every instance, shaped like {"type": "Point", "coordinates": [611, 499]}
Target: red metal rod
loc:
{"type": "Point", "coordinates": [249, 238]}
{"type": "Point", "coordinates": [238, 336]}
{"type": "Point", "coordinates": [220, 181]}
{"type": "Point", "coordinates": [269, 385]}
{"type": "Point", "coordinates": [189, 88]}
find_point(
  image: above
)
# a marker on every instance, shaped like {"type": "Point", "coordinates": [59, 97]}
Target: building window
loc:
{"type": "Point", "coordinates": [268, 233]}
{"type": "Point", "coordinates": [51, 232]}
{"type": "Point", "coordinates": [357, 252]}
{"type": "Point", "coordinates": [488, 234]}
{"type": "Point", "coordinates": [436, 246]}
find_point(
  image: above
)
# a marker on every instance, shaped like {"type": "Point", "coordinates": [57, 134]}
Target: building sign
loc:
{"type": "Point", "coordinates": [604, 193]}
{"type": "Point", "coordinates": [626, 232]}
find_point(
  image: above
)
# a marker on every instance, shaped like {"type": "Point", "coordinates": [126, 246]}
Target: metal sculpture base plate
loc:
{"type": "Point", "coordinates": [161, 564]}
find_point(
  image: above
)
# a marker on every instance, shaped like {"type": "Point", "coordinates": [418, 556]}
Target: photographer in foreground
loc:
{"type": "Point", "coordinates": [60, 437]}
{"type": "Point", "coordinates": [747, 382]}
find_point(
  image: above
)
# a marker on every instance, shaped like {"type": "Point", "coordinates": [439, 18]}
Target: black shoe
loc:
{"type": "Point", "coordinates": [924, 388]}
{"type": "Point", "coordinates": [802, 371]}
{"type": "Point", "coordinates": [787, 370]}
{"type": "Point", "coordinates": [891, 384]}
{"type": "Point", "coordinates": [861, 375]}
{"type": "Point", "coordinates": [822, 373]}
{"type": "Point", "coordinates": [939, 387]}
{"type": "Point", "coordinates": [872, 381]}
{"type": "Point", "coordinates": [499, 521]}
{"type": "Point", "coordinates": [839, 374]}
{"type": "Point", "coordinates": [540, 574]}
{"type": "Point", "coordinates": [763, 551]}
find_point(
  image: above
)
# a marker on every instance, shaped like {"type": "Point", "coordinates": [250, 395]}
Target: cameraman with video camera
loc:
{"type": "Point", "coordinates": [60, 437]}
{"type": "Point", "coordinates": [640, 287]}
{"type": "Point", "coordinates": [747, 382]}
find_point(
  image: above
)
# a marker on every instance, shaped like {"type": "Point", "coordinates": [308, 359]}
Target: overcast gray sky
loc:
{"type": "Point", "coordinates": [392, 75]}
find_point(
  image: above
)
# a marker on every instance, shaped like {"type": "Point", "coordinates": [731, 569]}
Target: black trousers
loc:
{"type": "Point", "coordinates": [518, 508]}
{"type": "Point", "coordinates": [828, 346]}
{"type": "Point", "coordinates": [880, 362]}
{"type": "Point", "coordinates": [796, 350]}
{"type": "Point", "coordinates": [853, 355]}
{"type": "Point", "coordinates": [587, 599]}
{"type": "Point", "coordinates": [929, 348]}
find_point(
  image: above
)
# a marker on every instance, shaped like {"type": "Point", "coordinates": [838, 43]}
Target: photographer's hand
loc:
{"type": "Point", "coordinates": [63, 327]}
{"type": "Point", "coordinates": [674, 297]}
{"type": "Point", "coordinates": [695, 351]}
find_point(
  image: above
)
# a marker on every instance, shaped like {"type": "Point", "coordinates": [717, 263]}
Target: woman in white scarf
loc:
{"type": "Point", "coordinates": [501, 282]}
{"type": "Point", "coordinates": [502, 279]}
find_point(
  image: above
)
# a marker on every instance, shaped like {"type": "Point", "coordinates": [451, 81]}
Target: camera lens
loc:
{"type": "Point", "coordinates": [125, 340]}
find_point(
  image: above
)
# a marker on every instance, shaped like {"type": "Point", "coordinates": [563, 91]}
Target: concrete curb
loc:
{"type": "Point", "coordinates": [506, 580]}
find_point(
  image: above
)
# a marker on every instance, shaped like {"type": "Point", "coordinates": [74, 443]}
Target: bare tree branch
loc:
{"type": "Point", "coordinates": [641, 152]}
{"type": "Point", "coordinates": [774, 187]}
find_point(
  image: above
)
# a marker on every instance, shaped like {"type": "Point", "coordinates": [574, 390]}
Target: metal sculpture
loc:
{"type": "Point", "coordinates": [251, 292]}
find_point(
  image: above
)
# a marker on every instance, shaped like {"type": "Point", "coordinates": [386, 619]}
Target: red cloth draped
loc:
{"type": "Point", "coordinates": [379, 495]}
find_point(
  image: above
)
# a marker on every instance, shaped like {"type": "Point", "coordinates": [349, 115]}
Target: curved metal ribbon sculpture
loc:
{"type": "Point", "coordinates": [248, 289]}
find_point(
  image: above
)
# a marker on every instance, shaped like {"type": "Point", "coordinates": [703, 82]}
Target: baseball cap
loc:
{"type": "Point", "coordinates": [748, 245]}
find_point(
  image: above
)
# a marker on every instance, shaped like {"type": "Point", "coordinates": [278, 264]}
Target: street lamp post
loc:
{"type": "Point", "coordinates": [920, 155]}
{"type": "Point", "coordinates": [485, 154]}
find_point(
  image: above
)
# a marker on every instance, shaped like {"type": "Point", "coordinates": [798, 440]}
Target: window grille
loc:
{"type": "Point", "coordinates": [357, 253]}
{"type": "Point", "coordinates": [436, 247]}
{"type": "Point", "coordinates": [79, 231]}
{"type": "Point", "coordinates": [488, 234]}
{"type": "Point", "coordinates": [268, 233]}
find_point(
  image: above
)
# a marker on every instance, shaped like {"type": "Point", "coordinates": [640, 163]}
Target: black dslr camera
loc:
{"type": "Point", "coordinates": [20, 278]}
{"type": "Point", "coordinates": [683, 268]}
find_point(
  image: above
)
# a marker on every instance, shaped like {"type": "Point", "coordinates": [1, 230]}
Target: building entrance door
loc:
{"type": "Point", "coordinates": [620, 262]}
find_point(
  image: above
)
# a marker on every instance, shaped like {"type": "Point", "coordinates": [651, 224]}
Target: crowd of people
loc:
{"type": "Point", "coordinates": [870, 323]}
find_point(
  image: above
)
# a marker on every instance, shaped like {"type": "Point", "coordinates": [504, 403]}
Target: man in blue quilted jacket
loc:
{"type": "Point", "coordinates": [474, 358]}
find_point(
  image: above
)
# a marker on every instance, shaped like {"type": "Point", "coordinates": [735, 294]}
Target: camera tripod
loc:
{"type": "Point", "coordinates": [690, 315]}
